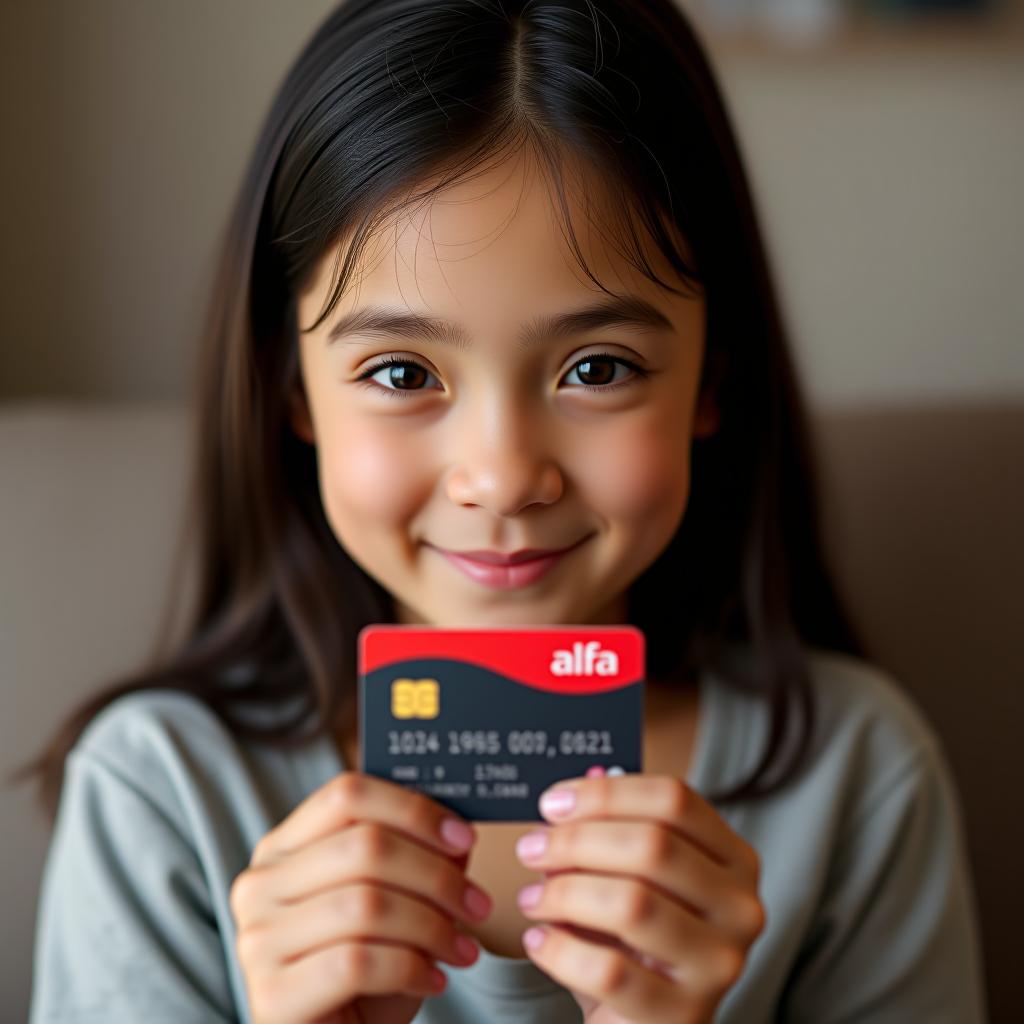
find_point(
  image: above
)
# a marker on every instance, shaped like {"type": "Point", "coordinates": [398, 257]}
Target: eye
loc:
{"type": "Point", "coordinates": [589, 366]}
{"type": "Point", "coordinates": [397, 371]}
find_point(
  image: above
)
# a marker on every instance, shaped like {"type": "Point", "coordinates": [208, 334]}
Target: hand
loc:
{"type": "Point", "coordinates": [655, 896]}
{"type": "Point", "coordinates": [347, 902]}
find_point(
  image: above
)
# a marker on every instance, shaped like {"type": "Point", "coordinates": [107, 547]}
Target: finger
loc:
{"type": "Point", "coordinates": [354, 796]}
{"type": "Point", "coordinates": [350, 912]}
{"type": "Point", "coordinates": [655, 853]}
{"type": "Point", "coordinates": [608, 975]}
{"type": "Point", "coordinates": [332, 977]}
{"type": "Point", "coordinates": [362, 852]}
{"type": "Point", "coordinates": [663, 798]}
{"type": "Point", "coordinates": [646, 920]}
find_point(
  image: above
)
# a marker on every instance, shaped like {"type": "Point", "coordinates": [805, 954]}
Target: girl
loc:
{"type": "Point", "coordinates": [495, 281]}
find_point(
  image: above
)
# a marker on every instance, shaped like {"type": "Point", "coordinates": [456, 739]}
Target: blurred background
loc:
{"type": "Point", "coordinates": [885, 141]}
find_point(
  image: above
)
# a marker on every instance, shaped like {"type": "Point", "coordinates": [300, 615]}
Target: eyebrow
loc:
{"type": "Point", "coordinates": [628, 312]}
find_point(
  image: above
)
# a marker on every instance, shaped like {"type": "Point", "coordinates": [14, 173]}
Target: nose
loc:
{"type": "Point", "coordinates": [503, 460]}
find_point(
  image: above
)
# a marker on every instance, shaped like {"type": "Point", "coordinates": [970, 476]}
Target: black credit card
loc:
{"type": "Point", "coordinates": [484, 720]}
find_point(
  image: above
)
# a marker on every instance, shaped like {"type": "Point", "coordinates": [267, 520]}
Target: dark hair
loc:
{"type": "Point", "coordinates": [385, 95]}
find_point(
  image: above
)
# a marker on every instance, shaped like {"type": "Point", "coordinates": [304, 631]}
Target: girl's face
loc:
{"type": "Point", "coordinates": [494, 441]}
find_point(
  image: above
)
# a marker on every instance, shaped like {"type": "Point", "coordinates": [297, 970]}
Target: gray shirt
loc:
{"type": "Point", "coordinates": [865, 882]}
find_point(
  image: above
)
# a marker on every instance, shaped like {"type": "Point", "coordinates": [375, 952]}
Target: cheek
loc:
{"type": "Point", "coordinates": [640, 476]}
{"type": "Point", "coordinates": [367, 479]}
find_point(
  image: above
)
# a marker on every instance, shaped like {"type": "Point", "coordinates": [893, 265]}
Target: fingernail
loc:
{"type": "Point", "coordinates": [595, 771]}
{"type": "Point", "coordinates": [531, 845]}
{"type": "Point", "coordinates": [557, 802]}
{"type": "Point", "coordinates": [466, 948]}
{"type": "Point", "coordinates": [457, 833]}
{"type": "Point", "coordinates": [533, 937]}
{"type": "Point", "coordinates": [530, 895]}
{"type": "Point", "coordinates": [477, 902]}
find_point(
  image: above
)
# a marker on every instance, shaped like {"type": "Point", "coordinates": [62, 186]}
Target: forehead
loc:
{"type": "Point", "coordinates": [492, 247]}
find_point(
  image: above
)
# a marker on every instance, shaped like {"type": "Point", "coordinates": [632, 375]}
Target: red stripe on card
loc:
{"type": "Point", "coordinates": [579, 659]}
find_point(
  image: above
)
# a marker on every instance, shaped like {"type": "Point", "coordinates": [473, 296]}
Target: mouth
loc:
{"type": "Point", "coordinates": [513, 575]}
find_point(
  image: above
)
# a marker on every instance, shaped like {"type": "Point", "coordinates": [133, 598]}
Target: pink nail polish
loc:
{"type": "Point", "coordinates": [595, 771]}
{"type": "Point", "coordinates": [532, 845]}
{"type": "Point", "coordinates": [557, 802]}
{"type": "Point", "coordinates": [457, 833]}
{"type": "Point", "coordinates": [477, 902]}
{"type": "Point", "coordinates": [466, 948]}
{"type": "Point", "coordinates": [530, 895]}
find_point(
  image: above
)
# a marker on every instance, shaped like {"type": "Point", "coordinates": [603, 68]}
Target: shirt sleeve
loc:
{"type": "Point", "coordinates": [896, 938]}
{"type": "Point", "coordinates": [125, 930]}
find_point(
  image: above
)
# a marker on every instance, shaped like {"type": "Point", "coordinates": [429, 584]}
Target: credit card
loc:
{"type": "Point", "coordinates": [484, 720]}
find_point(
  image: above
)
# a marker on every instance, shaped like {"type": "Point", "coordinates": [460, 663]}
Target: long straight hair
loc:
{"type": "Point", "coordinates": [386, 95]}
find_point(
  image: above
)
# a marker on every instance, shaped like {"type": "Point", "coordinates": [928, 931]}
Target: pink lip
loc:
{"type": "Point", "coordinates": [514, 558]}
{"type": "Point", "coordinates": [507, 577]}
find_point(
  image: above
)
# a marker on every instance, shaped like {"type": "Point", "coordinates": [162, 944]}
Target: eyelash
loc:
{"type": "Point", "coordinates": [400, 393]}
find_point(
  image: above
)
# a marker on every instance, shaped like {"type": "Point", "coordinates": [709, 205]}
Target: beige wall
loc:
{"type": "Point", "coordinates": [133, 119]}
{"type": "Point", "coordinates": [888, 176]}
{"type": "Point", "coordinates": [890, 188]}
